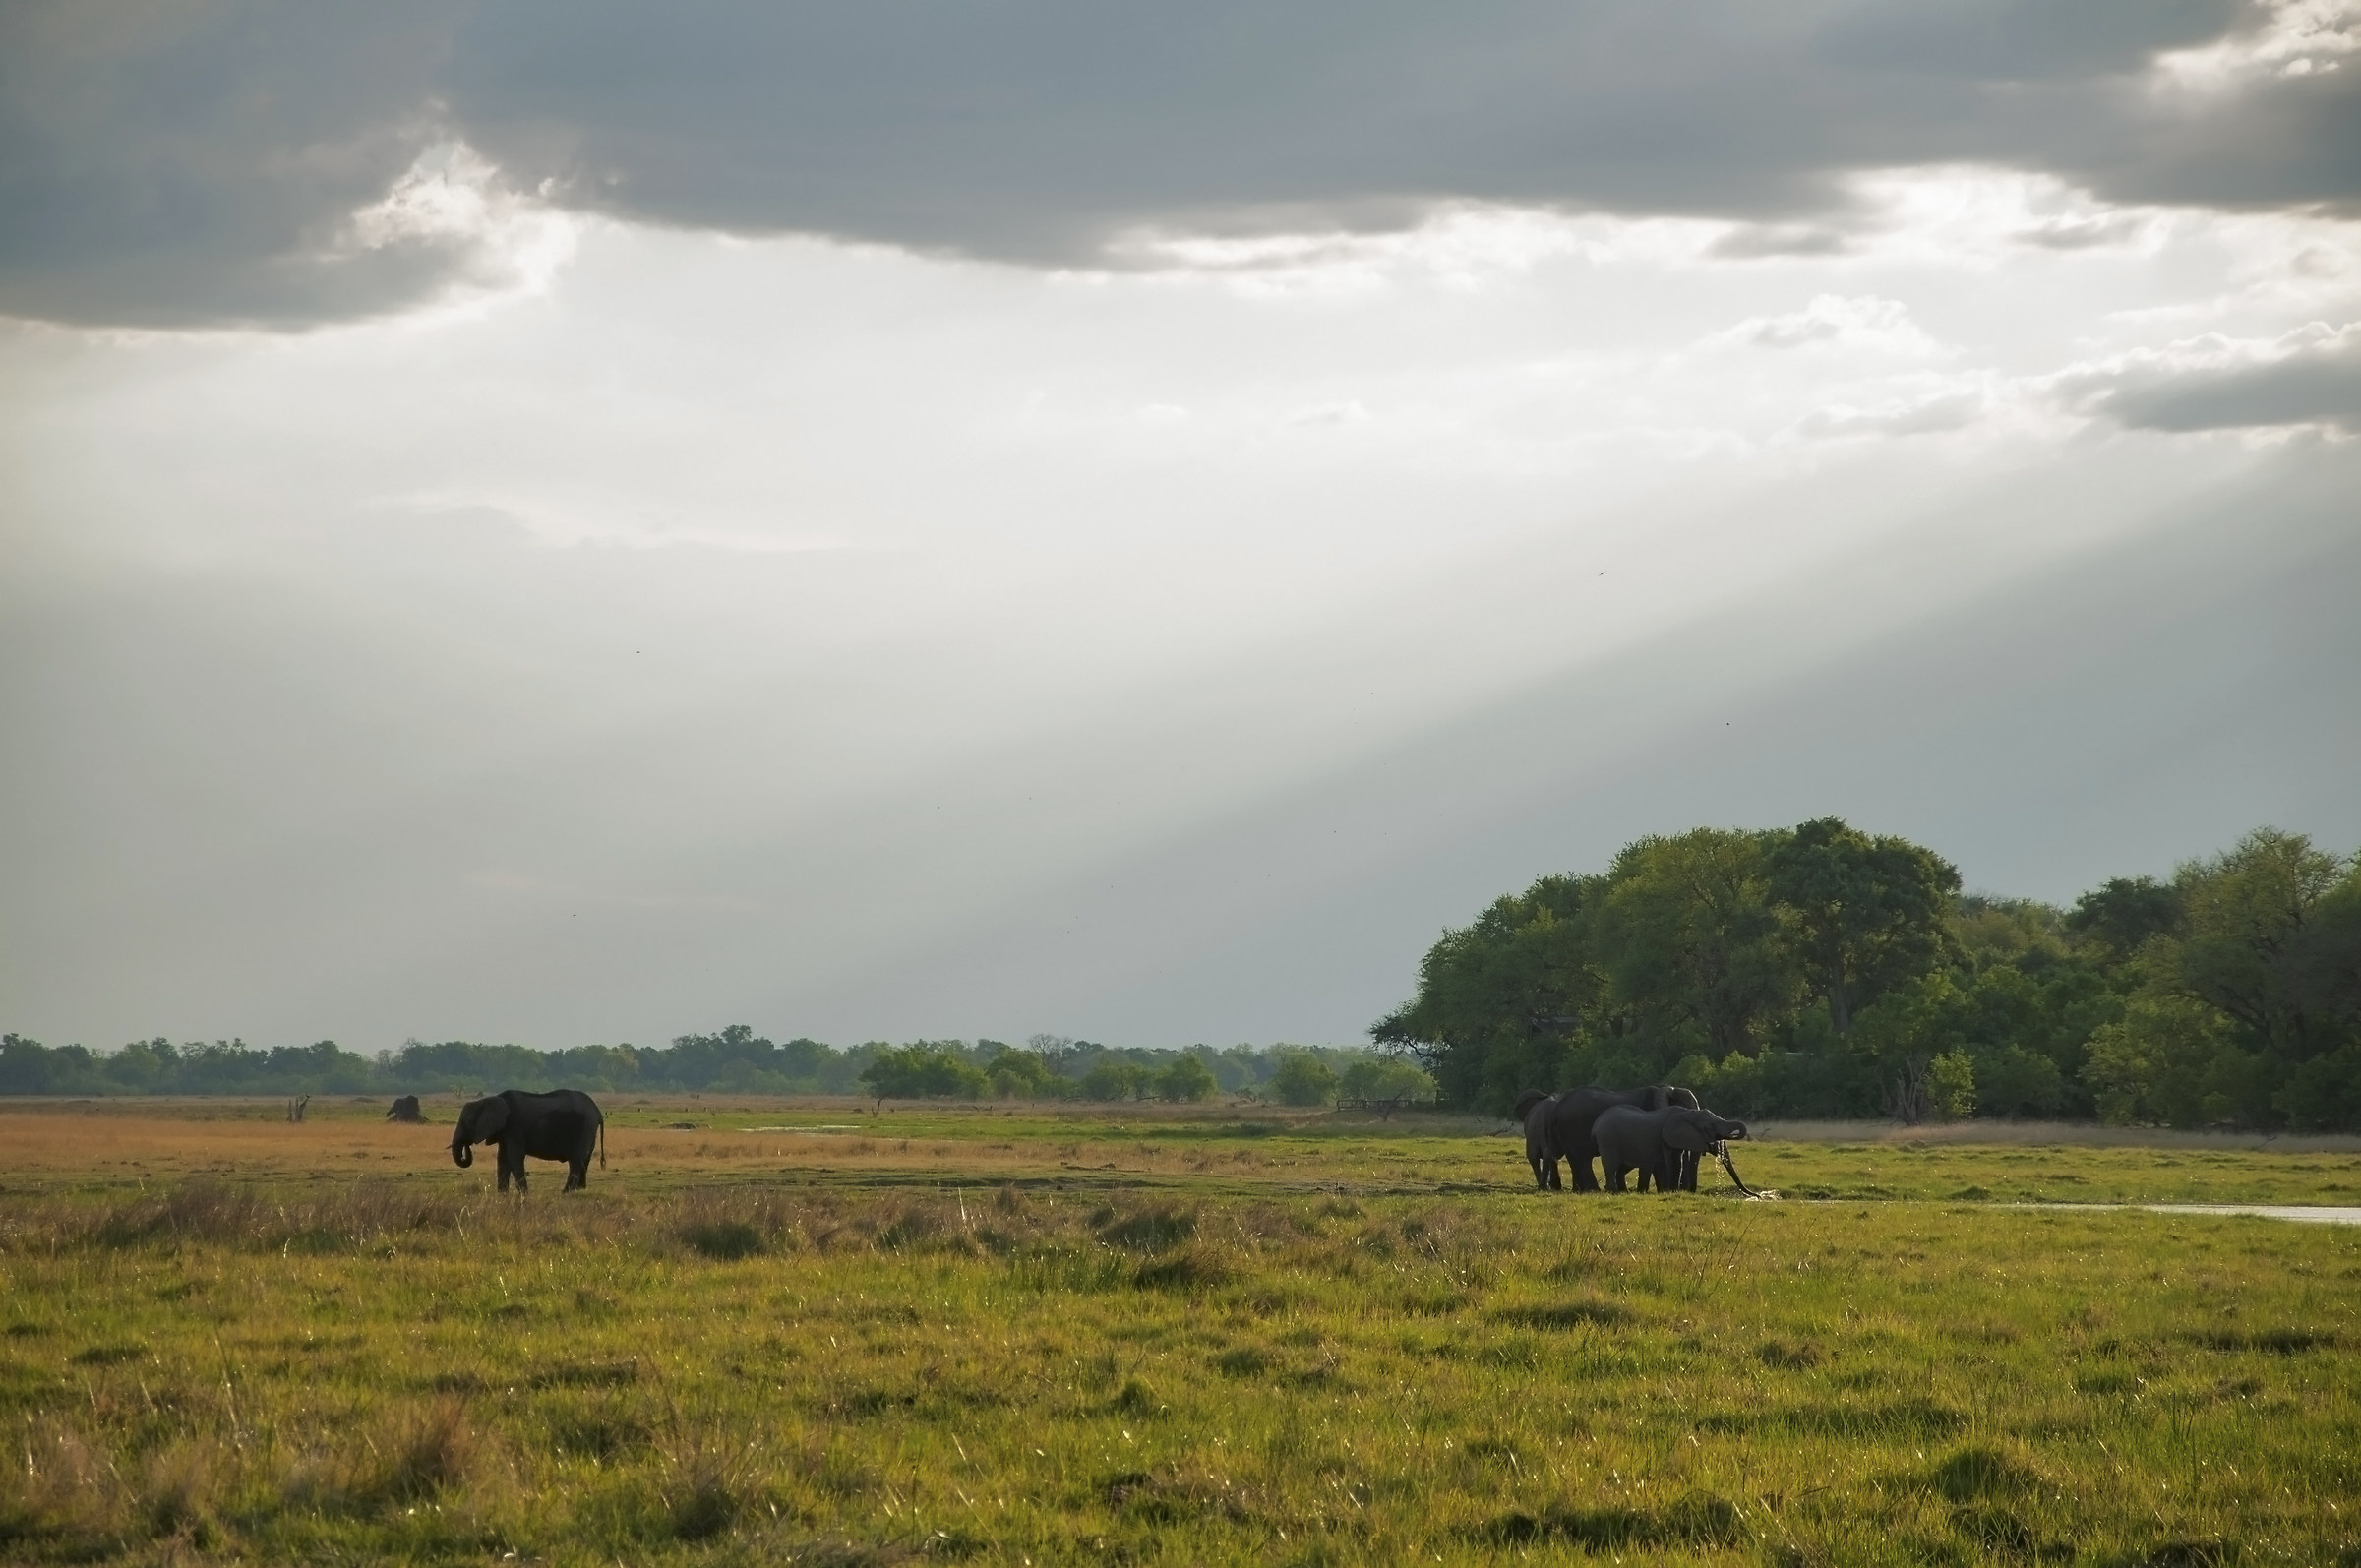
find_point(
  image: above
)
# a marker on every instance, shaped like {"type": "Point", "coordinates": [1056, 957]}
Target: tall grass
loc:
{"type": "Point", "coordinates": [1067, 1380]}
{"type": "Point", "coordinates": [1147, 1369]}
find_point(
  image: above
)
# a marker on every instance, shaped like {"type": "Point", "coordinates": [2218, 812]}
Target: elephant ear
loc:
{"type": "Point", "coordinates": [1689, 1134]}
{"type": "Point", "coordinates": [491, 1118]}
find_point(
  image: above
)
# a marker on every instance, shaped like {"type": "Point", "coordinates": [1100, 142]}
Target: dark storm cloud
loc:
{"type": "Point", "coordinates": [178, 162]}
{"type": "Point", "coordinates": [194, 163]}
{"type": "Point", "coordinates": [2319, 387]}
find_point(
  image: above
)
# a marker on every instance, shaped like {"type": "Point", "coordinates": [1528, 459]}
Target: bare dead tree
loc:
{"type": "Point", "coordinates": [1910, 1096]}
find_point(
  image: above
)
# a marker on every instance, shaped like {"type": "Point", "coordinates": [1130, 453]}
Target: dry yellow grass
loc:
{"type": "Point", "coordinates": [114, 1146]}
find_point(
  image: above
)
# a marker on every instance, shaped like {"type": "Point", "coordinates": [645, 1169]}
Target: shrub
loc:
{"type": "Point", "coordinates": [1302, 1079]}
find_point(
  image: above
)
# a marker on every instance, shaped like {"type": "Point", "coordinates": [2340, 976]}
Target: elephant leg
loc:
{"type": "Point", "coordinates": [1614, 1176]}
{"type": "Point", "coordinates": [1555, 1185]}
{"type": "Point", "coordinates": [1584, 1179]}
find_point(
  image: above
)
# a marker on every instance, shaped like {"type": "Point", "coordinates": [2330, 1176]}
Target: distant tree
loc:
{"type": "Point", "coordinates": [1114, 1079]}
{"type": "Point", "coordinates": [1950, 1085]}
{"type": "Point", "coordinates": [1063, 1052]}
{"type": "Point", "coordinates": [2123, 911]}
{"type": "Point", "coordinates": [925, 1069]}
{"type": "Point", "coordinates": [2166, 1062]}
{"type": "Point", "coordinates": [1377, 1077]}
{"type": "Point", "coordinates": [1301, 1079]}
{"type": "Point", "coordinates": [801, 1060]}
{"type": "Point", "coordinates": [1868, 913]}
{"type": "Point", "coordinates": [1187, 1080]}
{"type": "Point", "coordinates": [1241, 1067]}
{"type": "Point", "coordinates": [144, 1066]}
{"type": "Point", "coordinates": [1022, 1074]}
{"type": "Point", "coordinates": [2252, 942]}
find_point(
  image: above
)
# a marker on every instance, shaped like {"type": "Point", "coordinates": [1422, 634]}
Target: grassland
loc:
{"type": "Point", "coordinates": [1230, 1336]}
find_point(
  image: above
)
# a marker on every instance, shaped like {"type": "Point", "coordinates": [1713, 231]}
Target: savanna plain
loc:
{"type": "Point", "coordinates": [779, 1331]}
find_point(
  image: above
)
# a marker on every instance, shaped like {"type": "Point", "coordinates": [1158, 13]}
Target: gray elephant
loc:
{"type": "Point", "coordinates": [1574, 1113]}
{"type": "Point", "coordinates": [405, 1108]}
{"type": "Point", "coordinates": [1660, 1145]}
{"type": "Point", "coordinates": [1534, 1111]}
{"type": "Point", "coordinates": [565, 1124]}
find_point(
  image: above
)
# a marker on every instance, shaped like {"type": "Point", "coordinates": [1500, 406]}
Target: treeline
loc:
{"type": "Point", "coordinates": [1819, 971]}
{"type": "Point", "coordinates": [735, 1060]}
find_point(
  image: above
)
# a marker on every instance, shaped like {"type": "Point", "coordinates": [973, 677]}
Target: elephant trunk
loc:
{"type": "Point", "coordinates": [462, 1155]}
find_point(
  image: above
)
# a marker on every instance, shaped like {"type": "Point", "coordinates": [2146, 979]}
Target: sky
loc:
{"type": "Point", "coordinates": [568, 522]}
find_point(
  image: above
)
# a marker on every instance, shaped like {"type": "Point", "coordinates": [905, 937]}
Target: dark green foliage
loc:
{"type": "Point", "coordinates": [1151, 1230]}
{"type": "Point", "coordinates": [1303, 1078]}
{"type": "Point", "coordinates": [1568, 1314]}
{"type": "Point", "coordinates": [1823, 972]}
{"type": "Point", "coordinates": [929, 1069]}
{"type": "Point", "coordinates": [725, 1239]}
{"type": "Point", "coordinates": [1694, 1519]}
{"type": "Point", "coordinates": [2126, 911]}
{"type": "Point", "coordinates": [1868, 914]}
{"type": "Point", "coordinates": [733, 1060]}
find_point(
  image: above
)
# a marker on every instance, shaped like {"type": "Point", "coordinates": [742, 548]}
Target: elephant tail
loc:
{"type": "Point", "coordinates": [602, 1143]}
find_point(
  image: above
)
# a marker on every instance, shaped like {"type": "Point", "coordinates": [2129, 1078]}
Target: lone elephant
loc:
{"type": "Point", "coordinates": [1660, 1145]}
{"type": "Point", "coordinates": [1574, 1113]}
{"type": "Point", "coordinates": [1533, 1111]}
{"type": "Point", "coordinates": [405, 1108]}
{"type": "Point", "coordinates": [563, 1124]}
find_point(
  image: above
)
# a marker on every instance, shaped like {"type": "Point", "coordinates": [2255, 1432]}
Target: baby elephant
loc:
{"type": "Point", "coordinates": [1662, 1146]}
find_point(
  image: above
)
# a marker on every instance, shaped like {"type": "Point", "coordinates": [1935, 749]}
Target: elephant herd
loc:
{"type": "Point", "coordinates": [1655, 1135]}
{"type": "Point", "coordinates": [1651, 1136]}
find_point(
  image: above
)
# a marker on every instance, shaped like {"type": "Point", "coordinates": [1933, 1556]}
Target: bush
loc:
{"type": "Point", "coordinates": [1187, 1079]}
{"type": "Point", "coordinates": [1384, 1078]}
{"type": "Point", "coordinates": [1302, 1079]}
{"type": "Point", "coordinates": [1110, 1079]}
{"type": "Point", "coordinates": [926, 1070]}
{"type": "Point", "coordinates": [1950, 1085]}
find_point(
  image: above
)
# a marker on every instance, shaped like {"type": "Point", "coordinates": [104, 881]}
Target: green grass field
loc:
{"type": "Point", "coordinates": [1155, 1338]}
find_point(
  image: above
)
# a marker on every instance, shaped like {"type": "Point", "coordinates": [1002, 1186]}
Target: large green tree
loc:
{"type": "Point", "coordinates": [1497, 999]}
{"type": "Point", "coordinates": [1688, 933]}
{"type": "Point", "coordinates": [2272, 939]}
{"type": "Point", "coordinates": [1870, 913]}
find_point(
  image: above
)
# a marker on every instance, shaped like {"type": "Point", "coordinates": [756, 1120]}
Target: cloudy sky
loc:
{"type": "Point", "coordinates": [568, 522]}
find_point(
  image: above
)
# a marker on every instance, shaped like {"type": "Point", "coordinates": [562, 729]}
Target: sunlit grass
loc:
{"type": "Point", "coordinates": [1085, 1347]}
{"type": "Point", "coordinates": [652, 1142]}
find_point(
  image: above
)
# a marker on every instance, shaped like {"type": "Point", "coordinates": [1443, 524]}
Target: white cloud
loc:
{"type": "Point", "coordinates": [1461, 246]}
{"type": "Point", "coordinates": [2297, 39]}
{"type": "Point", "coordinates": [494, 241]}
{"type": "Point", "coordinates": [1925, 414]}
{"type": "Point", "coordinates": [1862, 321]}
